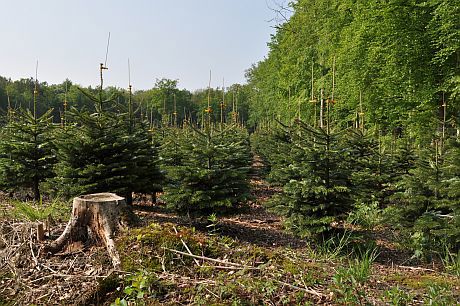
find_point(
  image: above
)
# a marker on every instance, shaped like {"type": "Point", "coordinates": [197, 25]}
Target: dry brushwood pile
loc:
{"type": "Point", "coordinates": [28, 276]}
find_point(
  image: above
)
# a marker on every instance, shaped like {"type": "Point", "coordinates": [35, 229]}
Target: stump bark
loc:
{"type": "Point", "coordinates": [96, 218]}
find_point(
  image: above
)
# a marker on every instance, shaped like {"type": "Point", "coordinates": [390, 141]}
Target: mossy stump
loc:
{"type": "Point", "coordinates": [96, 218]}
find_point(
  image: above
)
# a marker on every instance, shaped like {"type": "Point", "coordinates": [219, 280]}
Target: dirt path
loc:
{"type": "Point", "coordinates": [252, 223]}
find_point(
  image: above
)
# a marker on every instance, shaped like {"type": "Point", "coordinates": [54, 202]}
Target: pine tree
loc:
{"type": "Point", "coordinates": [211, 170]}
{"type": "Point", "coordinates": [27, 147]}
{"type": "Point", "coordinates": [318, 192]}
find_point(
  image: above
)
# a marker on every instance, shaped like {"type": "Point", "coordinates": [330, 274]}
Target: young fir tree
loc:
{"type": "Point", "coordinates": [143, 163]}
{"type": "Point", "coordinates": [103, 152]}
{"type": "Point", "coordinates": [450, 210]}
{"type": "Point", "coordinates": [27, 147]}
{"type": "Point", "coordinates": [273, 146]}
{"type": "Point", "coordinates": [419, 200]}
{"type": "Point", "coordinates": [370, 167]}
{"type": "Point", "coordinates": [170, 154]}
{"type": "Point", "coordinates": [211, 170]}
{"type": "Point", "coordinates": [93, 155]}
{"type": "Point", "coordinates": [318, 192]}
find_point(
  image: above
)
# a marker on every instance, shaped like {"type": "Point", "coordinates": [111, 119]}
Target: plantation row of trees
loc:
{"type": "Point", "coordinates": [331, 176]}
{"type": "Point", "coordinates": [109, 146]}
{"type": "Point", "coordinates": [357, 113]}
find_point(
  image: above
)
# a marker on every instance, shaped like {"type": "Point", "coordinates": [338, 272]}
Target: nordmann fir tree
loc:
{"type": "Point", "coordinates": [143, 165]}
{"type": "Point", "coordinates": [212, 174]}
{"type": "Point", "coordinates": [450, 189]}
{"type": "Point", "coordinates": [273, 146]}
{"type": "Point", "coordinates": [27, 152]}
{"type": "Point", "coordinates": [105, 151]}
{"type": "Point", "coordinates": [419, 197]}
{"type": "Point", "coordinates": [370, 164]}
{"type": "Point", "coordinates": [427, 207]}
{"type": "Point", "coordinates": [318, 193]}
{"type": "Point", "coordinates": [27, 148]}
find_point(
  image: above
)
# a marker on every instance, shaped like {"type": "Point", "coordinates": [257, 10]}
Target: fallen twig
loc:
{"type": "Point", "coordinates": [209, 259]}
{"type": "Point", "coordinates": [232, 267]}
{"type": "Point", "coordinates": [416, 268]}
{"type": "Point", "coordinates": [67, 275]}
{"type": "Point", "coordinates": [187, 248]}
{"type": "Point", "coordinates": [307, 290]}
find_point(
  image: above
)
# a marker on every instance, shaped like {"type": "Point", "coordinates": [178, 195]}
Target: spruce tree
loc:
{"type": "Point", "coordinates": [27, 147]}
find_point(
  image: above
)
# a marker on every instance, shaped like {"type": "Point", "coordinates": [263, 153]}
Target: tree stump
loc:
{"type": "Point", "coordinates": [95, 219]}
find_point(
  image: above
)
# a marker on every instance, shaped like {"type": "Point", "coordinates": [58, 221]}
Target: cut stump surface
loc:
{"type": "Point", "coordinates": [96, 218]}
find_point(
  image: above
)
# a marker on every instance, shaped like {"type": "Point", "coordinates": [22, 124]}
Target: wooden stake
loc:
{"type": "Point", "coordinates": [444, 105]}
{"type": "Point", "coordinates": [208, 110]}
{"type": "Point", "coordinates": [36, 91]}
{"type": "Point", "coordinates": [175, 112]}
{"type": "Point", "coordinates": [40, 232]}
{"type": "Point", "coordinates": [361, 112]}
{"type": "Point", "coordinates": [222, 105]}
{"type": "Point", "coordinates": [321, 110]}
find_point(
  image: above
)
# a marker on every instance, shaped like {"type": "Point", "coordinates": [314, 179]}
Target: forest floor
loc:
{"type": "Point", "coordinates": [244, 258]}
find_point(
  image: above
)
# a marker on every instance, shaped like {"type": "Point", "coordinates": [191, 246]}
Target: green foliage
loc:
{"type": "Point", "coordinates": [210, 171]}
{"type": "Point", "coordinates": [26, 147]}
{"type": "Point", "coordinates": [318, 191]}
{"type": "Point", "coordinates": [371, 166]}
{"type": "Point", "coordinates": [138, 288]}
{"type": "Point", "coordinates": [57, 210]}
{"type": "Point", "coordinates": [273, 146]}
{"type": "Point", "coordinates": [425, 203]}
{"type": "Point", "coordinates": [451, 260]}
{"type": "Point", "coordinates": [349, 280]}
{"type": "Point", "coordinates": [94, 156]}
{"type": "Point", "coordinates": [106, 151]}
{"type": "Point", "coordinates": [214, 222]}
{"type": "Point", "coordinates": [440, 295]}
{"type": "Point", "coordinates": [367, 215]}
{"type": "Point", "coordinates": [393, 61]}
{"type": "Point", "coordinates": [397, 296]}
{"type": "Point", "coordinates": [333, 247]}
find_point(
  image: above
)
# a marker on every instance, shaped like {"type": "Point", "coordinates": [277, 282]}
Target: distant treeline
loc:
{"type": "Point", "coordinates": [163, 98]}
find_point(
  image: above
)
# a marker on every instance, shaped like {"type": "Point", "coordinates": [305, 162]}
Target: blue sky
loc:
{"type": "Point", "coordinates": [177, 39]}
